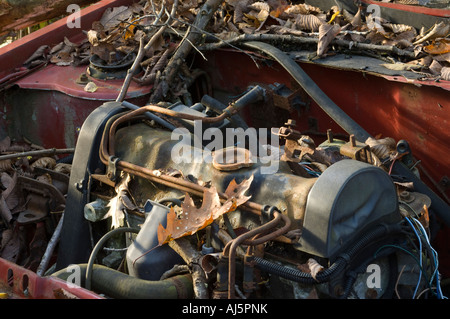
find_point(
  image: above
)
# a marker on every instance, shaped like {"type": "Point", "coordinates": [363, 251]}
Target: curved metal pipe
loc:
{"type": "Point", "coordinates": [231, 248]}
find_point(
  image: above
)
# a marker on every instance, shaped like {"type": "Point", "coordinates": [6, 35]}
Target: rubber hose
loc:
{"type": "Point", "coordinates": [336, 268]}
{"type": "Point", "coordinates": [310, 87]}
{"type": "Point", "coordinates": [116, 284]}
{"type": "Point", "coordinates": [99, 246]}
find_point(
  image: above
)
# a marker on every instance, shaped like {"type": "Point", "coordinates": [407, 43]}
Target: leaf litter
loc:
{"type": "Point", "coordinates": [118, 32]}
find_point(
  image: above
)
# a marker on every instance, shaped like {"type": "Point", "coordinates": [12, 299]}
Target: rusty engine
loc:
{"type": "Point", "coordinates": [162, 203]}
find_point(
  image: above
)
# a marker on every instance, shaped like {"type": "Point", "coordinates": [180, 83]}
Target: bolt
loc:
{"type": "Point", "coordinates": [330, 136]}
{"type": "Point", "coordinates": [290, 123]}
{"type": "Point", "coordinates": [406, 196]}
{"type": "Point", "coordinates": [352, 140]}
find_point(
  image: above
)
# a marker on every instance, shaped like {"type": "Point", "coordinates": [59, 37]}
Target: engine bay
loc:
{"type": "Point", "coordinates": [231, 180]}
{"type": "Point", "coordinates": [180, 206]}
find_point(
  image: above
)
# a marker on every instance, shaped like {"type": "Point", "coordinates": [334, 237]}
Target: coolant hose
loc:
{"type": "Point", "coordinates": [310, 87]}
{"type": "Point", "coordinates": [337, 267]}
{"type": "Point", "coordinates": [116, 284]}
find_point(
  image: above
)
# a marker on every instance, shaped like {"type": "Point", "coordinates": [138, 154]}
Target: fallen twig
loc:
{"type": "Point", "coordinates": [192, 38]}
{"type": "Point", "coordinates": [304, 41]}
{"type": "Point", "coordinates": [141, 52]}
{"type": "Point", "coordinates": [51, 151]}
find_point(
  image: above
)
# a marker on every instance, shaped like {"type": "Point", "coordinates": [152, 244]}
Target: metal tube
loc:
{"type": "Point", "coordinates": [50, 247]}
{"type": "Point", "coordinates": [150, 115]}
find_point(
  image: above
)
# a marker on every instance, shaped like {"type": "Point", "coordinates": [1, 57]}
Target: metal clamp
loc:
{"type": "Point", "coordinates": [112, 168]}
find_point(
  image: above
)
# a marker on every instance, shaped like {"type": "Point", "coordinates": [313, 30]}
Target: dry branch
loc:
{"type": "Point", "coordinates": [185, 47]}
{"type": "Point", "coordinates": [291, 39]}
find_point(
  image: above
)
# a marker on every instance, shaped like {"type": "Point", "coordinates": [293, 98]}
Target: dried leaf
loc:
{"type": "Point", "coordinates": [112, 17]}
{"type": "Point", "coordinates": [263, 10]}
{"type": "Point", "coordinates": [103, 50]}
{"type": "Point", "coordinates": [302, 8]}
{"type": "Point", "coordinates": [44, 178]}
{"type": "Point", "coordinates": [399, 42]}
{"type": "Point", "coordinates": [9, 183]}
{"type": "Point", "coordinates": [62, 58]}
{"type": "Point", "coordinates": [327, 32]}
{"type": "Point", "coordinates": [441, 46]}
{"type": "Point", "coordinates": [445, 73]}
{"type": "Point", "coordinates": [91, 87]}
{"type": "Point", "coordinates": [308, 22]}
{"type": "Point", "coordinates": [237, 191]}
{"type": "Point", "coordinates": [440, 29]}
{"type": "Point", "coordinates": [11, 250]}
{"type": "Point", "coordinates": [5, 211]}
{"type": "Point", "coordinates": [284, 30]}
{"type": "Point", "coordinates": [93, 37]}
{"type": "Point", "coordinates": [401, 66]}
{"type": "Point", "coordinates": [279, 11]}
{"type": "Point", "coordinates": [354, 20]}
{"type": "Point", "coordinates": [6, 237]}
{"type": "Point", "coordinates": [251, 21]}
{"type": "Point", "coordinates": [408, 2]}
{"type": "Point", "coordinates": [435, 67]}
{"type": "Point", "coordinates": [116, 204]}
{"type": "Point", "coordinates": [191, 219]}
{"type": "Point", "coordinates": [314, 267]}
{"type": "Point", "coordinates": [399, 28]}
{"type": "Point", "coordinates": [6, 165]}
{"type": "Point", "coordinates": [44, 162]}
{"type": "Point", "coordinates": [63, 168]}
{"type": "Point", "coordinates": [240, 8]}
{"type": "Point", "coordinates": [39, 54]}
{"type": "Point", "coordinates": [442, 57]}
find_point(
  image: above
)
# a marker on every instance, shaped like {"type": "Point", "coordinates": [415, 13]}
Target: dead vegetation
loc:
{"type": "Point", "coordinates": [163, 33]}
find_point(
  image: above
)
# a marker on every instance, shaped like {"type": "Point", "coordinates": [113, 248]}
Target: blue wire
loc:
{"type": "Point", "coordinates": [436, 262]}
{"type": "Point", "coordinates": [420, 255]}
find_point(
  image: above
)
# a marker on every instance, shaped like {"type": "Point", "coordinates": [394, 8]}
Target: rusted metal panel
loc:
{"type": "Point", "coordinates": [19, 283]}
{"type": "Point", "coordinates": [14, 54]}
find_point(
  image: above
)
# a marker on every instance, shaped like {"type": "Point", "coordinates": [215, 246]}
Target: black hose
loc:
{"type": "Point", "coordinates": [99, 246]}
{"type": "Point", "coordinates": [336, 268]}
{"type": "Point", "coordinates": [310, 87]}
{"type": "Point", "coordinates": [115, 284]}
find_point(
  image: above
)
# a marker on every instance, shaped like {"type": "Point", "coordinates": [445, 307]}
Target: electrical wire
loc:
{"type": "Point", "coordinates": [424, 240]}
{"type": "Point", "coordinates": [434, 254]}
{"type": "Point", "coordinates": [436, 260]}
{"type": "Point", "coordinates": [420, 256]}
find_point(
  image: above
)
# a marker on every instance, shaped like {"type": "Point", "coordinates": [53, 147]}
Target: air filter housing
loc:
{"type": "Point", "coordinates": [347, 199]}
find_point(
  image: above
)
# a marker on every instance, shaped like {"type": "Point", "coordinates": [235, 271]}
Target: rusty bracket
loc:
{"type": "Point", "coordinates": [296, 144]}
{"type": "Point", "coordinates": [356, 150]}
{"type": "Point", "coordinates": [41, 199]}
{"type": "Point", "coordinates": [110, 177]}
{"type": "Point", "coordinates": [285, 98]}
